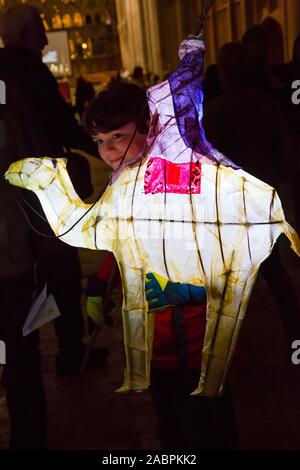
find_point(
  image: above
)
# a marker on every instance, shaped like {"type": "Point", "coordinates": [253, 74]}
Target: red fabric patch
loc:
{"type": "Point", "coordinates": [163, 176]}
{"type": "Point", "coordinates": [173, 174]}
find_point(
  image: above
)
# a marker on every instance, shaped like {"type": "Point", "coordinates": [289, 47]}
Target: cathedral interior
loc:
{"type": "Point", "coordinates": [107, 37]}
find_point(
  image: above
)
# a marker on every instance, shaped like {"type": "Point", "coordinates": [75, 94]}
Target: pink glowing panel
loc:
{"type": "Point", "coordinates": [163, 176]}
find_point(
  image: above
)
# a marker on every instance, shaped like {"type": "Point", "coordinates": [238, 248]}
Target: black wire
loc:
{"type": "Point", "coordinates": [43, 218]}
{"type": "Point", "coordinates": [97, 199]}
{"type": "Point", "coordinates": [90, 208]}
{"type": "Point", "coordinates": [80, 218]}
{"type": "Point", "coordinates": [128, 146]}
{"type": "Point", "coordinates": [30, 207]}
{"type": "Point", "coordinates": [29, 223]}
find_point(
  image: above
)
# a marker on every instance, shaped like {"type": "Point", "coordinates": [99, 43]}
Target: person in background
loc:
{"type": "Point", "coordinates": [249, 125]}
{"type": "Point", "coordinates": [255, 41]}
{"type": "Point", "coordinates": [22, 377]}
{"type": "Point", "coordinates": [138, 76]}
{"type": "Point", "coordinates": [84, 94]}
{"type": "Point", "coordinates": [211, 84]}
{"type": "Point", "coordinates": [289, 74]}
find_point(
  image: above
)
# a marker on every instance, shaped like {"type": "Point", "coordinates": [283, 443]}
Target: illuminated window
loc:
{"type": "Point", "coordinates": [57, 22]}
{"type": "Point", "coordinates": [77, 19]}
{"type": "Point", "coordinates": [67, 20]}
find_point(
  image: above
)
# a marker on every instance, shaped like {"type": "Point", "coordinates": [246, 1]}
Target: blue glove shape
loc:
{"type": "Point", "coordinates": [185, 294]}
{"type": "Point", "coordinates": [155, 294]}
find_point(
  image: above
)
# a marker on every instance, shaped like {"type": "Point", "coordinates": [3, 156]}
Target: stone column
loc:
{"type": "Point", "coordinates": [139, 35]}
{"type": "Point", "coordinates": [130, 33]}
{"type": "Point", "coordinates": [152, 38]}
{"type": "Point", "coordinates": [123, 33]}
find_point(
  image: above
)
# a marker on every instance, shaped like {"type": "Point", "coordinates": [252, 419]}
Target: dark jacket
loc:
{"type": "Point", "coordinates": [15, 250]}
{"type": "Point", "coordinates": [32, 93]}
{"type": "Point", "coordinates": [46, 126]}
{"type": "Point", "coordinates": [250, 129]}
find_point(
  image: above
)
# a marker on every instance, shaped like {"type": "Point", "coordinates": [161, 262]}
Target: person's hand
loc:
{"type": "Point", "coordinates": [154, 288]}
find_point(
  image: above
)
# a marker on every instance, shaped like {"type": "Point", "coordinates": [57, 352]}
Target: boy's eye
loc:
{"type": "Point", "coordinates": [117, 136]}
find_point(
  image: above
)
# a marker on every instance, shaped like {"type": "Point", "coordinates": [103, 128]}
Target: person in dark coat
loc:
{"type": "Point", "coordinates": [249, 125]}
{"type": "Point", "coordinates": [21, 378]}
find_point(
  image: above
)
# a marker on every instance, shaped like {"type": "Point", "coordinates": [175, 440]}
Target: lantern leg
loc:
{"type": "Point", "coordinates": [94, 336]}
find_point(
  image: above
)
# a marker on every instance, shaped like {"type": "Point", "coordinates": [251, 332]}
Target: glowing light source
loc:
{"type": "Point", "coordinates": [214, 233]}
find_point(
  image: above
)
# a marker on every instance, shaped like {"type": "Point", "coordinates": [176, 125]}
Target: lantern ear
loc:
{"type": "Point", "coordinates": [63, 162]}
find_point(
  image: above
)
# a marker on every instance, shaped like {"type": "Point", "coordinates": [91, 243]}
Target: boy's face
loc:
{"type": "Point", "coordinates": [112, 145]}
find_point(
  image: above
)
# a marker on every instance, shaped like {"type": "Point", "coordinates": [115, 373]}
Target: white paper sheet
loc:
{"type": "Point", "coordinates": [43, 310]}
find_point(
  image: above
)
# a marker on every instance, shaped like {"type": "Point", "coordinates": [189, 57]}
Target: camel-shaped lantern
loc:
{"type": "Point", "coordinates": [183, 211]}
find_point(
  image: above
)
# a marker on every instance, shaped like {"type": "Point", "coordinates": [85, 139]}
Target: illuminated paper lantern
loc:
{"type": "Point", "coordinates": [184, 211]}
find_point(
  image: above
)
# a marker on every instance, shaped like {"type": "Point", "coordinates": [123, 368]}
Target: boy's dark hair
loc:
{"type": "Point", "coordinates": [117, 106]}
